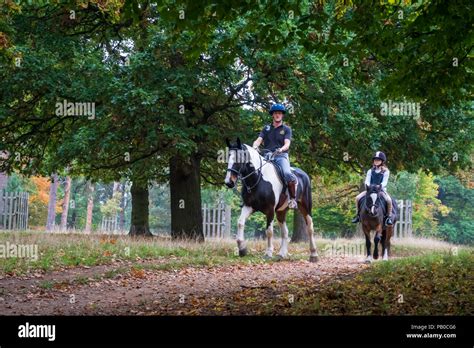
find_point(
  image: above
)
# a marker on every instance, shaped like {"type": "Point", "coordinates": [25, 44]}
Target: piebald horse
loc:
{"type": "Point", "coordinates": [263, 191]}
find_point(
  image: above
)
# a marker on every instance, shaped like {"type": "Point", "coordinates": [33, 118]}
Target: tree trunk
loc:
{"type": "Point", "coordinates": [67, 194]}
{"type": "Point", "coordinates": [116, 187]}
{"type": "Point", "coordinates": [73, 206]}
{"type": "Point", "coordinates": [122, 208]}
{"type": "Point", "coordinates": [300, 233]}
{"type": "Point", "coordinates": [90, 206]}
{"type": "Point", "coordinates": [3, 186]}
{"type": "Point", "coordinates": [185, 194]}
{"type": "Point", "coordinates": [3, 181]}
{"type": "Point", "coordinates": [139, 223]}
{"type": "Point", "coordinates": [53, 189]}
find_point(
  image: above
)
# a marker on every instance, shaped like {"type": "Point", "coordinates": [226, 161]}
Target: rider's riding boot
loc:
{"type": "Point", "coordinates": [389, 221]}
{"type": "Point", "coordinates": [292, 191]}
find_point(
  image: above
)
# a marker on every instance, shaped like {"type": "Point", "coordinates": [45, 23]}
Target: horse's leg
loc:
{"type": "Point", "coordinates": [367, 243]}
{"type": "Point", "coordinates": [313, 253]}
{"type": "Point", "coordinates": [304, 208]}
{"type": "Point", "coordinates": [244, 214]}
{"type": "Point", "coordinates": [378, 233]}
{"type": "Point", "coordinates": [269, 251]}
{"type": "Point", "coordinates": [281, 217]}
{"type": "Point", "coordinates": [388, 235]}
{"type": "Point", "coordinates": [384, 243]}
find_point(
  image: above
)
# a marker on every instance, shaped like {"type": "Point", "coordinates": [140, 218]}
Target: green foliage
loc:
{"type": "Point", "coordinates": [19, 183]}
{"type": "Point", "coordinates": [165, 87]}
{"type": "Point", "coordinates": [426, 205]}
{"type": "Point", "coordinates": [434, 284]}
{"type": "Point", "coordinates": [332, 222]}
{"type": "Point", "coordinates": [422, 190]}
{"type": "Point", "coordinates": [403, 185]}
{"type": "Point", "coordinates": [112, 206]}
{"type": "Point", "coordinates": [458, 225]}
{"type": "Point", "coordinates": [160, 215]}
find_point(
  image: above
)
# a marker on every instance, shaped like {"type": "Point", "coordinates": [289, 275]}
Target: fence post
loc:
{"type": "Point", "coordinates": [228, 221]}
{"type": "Point", "coordinates": [13, 210]}
{"type": "Point", "coordinates": [204, 220]}
{"type": "Point", "coordinates": [216, 220]}
{"type": "Point", "coordinates": [410, 221]}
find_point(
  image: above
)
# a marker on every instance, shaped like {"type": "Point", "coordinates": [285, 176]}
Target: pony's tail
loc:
{"type": "Point", "coordinates": [309, 198]}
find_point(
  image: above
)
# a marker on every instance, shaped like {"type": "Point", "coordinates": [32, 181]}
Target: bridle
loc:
{"type": "Point", "coordinates": [373, 204]}
{"type": "Point", "coordinates": [239, 174]}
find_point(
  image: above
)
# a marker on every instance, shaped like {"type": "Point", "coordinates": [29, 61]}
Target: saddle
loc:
{"type": "Point", "coordinates": [280, 174]}
{"type": "Point", "coordinates": [284, 192]}
{"type": "Point", "coordinates": [384, 207]}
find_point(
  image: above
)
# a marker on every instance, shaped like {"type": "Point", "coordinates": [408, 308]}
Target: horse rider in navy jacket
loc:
{"type": "Point", "coordinates": [377, 175]}
{"type": "Point", "coordinates": [276, 137]}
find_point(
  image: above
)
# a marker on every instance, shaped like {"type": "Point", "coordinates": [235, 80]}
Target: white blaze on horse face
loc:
{"type": "Point", "coordinates": [373, 196]}
{"type": "Point", "coordinates": [231, 162]}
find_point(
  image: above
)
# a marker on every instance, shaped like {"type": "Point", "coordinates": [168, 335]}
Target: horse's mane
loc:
{"type": "Point", "coordinates": [255, 157]}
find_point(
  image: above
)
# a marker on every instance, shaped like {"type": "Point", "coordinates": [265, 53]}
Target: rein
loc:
{"type": "Point", "coordinates": [239, 175]}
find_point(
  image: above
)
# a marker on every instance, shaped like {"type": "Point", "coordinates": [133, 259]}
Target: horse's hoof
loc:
{"type": "Point", "coordinates": [280, 257]}
{"type": "Point", "coordinates": [385, 258]}
{"type": "Point", "coordinates": [243, 252]}
{"type": "Point", "coordinates": [267, 257]}
{"type": "Point", "coordinates": [368, 261]}
{"type": "Point", "coordinates": [376, 257]}
{"type": "Point", "coordinates": [313, 259]}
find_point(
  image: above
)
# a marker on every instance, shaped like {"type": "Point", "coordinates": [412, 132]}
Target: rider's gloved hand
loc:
{"type": "Point", "coordinates": [278, 150]}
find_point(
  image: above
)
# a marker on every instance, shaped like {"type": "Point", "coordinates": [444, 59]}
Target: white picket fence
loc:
{"type": "Point", "coordinates": [111, 224]}
{"type": "Point", "coordinates": [216, 221]}
{"type": "Point", "coordinates": [13, 210]}
{"type": "Point", "coordinates": [404, 226]}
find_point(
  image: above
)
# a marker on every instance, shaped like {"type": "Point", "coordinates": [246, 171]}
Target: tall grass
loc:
{"type": "Point", "coordinates": [58, 250]}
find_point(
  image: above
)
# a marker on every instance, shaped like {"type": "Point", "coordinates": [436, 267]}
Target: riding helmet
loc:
{"type": "Point", "coordinates": [380, 155]}
{"type": "Point", "coordinates": [277, 107]}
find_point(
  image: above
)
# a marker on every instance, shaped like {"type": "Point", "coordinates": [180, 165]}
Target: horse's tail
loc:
{"type": "Point", "coordinates": [305, 180]}
{"type": "Point", "coordinates": [309, 198]}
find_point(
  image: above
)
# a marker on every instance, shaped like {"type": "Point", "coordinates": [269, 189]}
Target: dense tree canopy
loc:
{"type": "Point", "coordinates": [168, 81]}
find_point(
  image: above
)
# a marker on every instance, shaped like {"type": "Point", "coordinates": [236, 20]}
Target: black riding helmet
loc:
{"type": "Point", "coordinates": [381, 156]}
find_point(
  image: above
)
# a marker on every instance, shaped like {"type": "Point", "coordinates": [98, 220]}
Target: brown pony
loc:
{"type": "Point", "coordinates": [373, 209]}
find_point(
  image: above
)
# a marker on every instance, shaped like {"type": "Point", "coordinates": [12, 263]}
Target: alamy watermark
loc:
{"type": "Point", "coordinates": [67, 108]}
{"type": "Point", "coordinates": [241, 156]}
{"type": "Point", "coordinates": [345, 249]}
{"type": "Point", "coordinates": [404, 108]}
{"type": "Point", "coordinates": [26, 251]}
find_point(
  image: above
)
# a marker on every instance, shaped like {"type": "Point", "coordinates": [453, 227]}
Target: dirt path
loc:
{"type": "Point", "coordinates": [138, 291]}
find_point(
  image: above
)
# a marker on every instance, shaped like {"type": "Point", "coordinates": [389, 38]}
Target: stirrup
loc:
{"type": "Point", "coordinates": [356, 219]}
{"type": "Point", "coordinates": [388, 221]}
